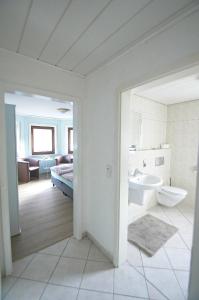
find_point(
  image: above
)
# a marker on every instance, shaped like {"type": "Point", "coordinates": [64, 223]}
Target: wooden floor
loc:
{"type": "Point", "coordinates": [46, 217]}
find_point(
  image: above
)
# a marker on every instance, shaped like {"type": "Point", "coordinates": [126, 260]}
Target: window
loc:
{"type": "Point", "coordinates": [70, 140]}
{"type": "Point", "coordinates": [43, 140]}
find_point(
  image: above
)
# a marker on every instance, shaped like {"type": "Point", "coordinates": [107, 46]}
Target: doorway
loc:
{"type": "Point", "coordinates": [76, 214]}
{"type": "Point", "coordinates": [45, 214]}
{"type": "Point", "coordinates": [160, 139]}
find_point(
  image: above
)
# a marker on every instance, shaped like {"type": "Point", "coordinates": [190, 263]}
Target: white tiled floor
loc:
{"type": "Point", "coordinates": [77, 270]}
{"type": "Point", "coordinates": [167, 272]}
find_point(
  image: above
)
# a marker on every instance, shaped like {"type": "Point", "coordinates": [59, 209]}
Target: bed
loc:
{"type": "Point", "coordinates": [62, 178]}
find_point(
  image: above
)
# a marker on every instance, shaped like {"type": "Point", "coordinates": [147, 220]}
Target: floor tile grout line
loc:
{"type": "Point", "coordinates": [50, 254]}
{"type": "Point", "coordinates": [162, 268]}
{"type": "Point", "coordinates": [84, 288]}
{"type": "Point", "coordinates": [180, 234]}
{"type": "Point", "coordinates": [135, 267]}
{"type": "Point", "coordinates": [180, 248]}
{"type": "Point", "coordinates": [114, 282]}
{"type": "Point", "coordinates": [16, 278]}
{"type": "Point", "coordinates": [57, 263]}
{"type": "Point", "coordinates": [149, 281]}
{"type": "Point", "coordinates": [73, 257]}
{"type": "Point", "coordinates": [33, 256]}
{"type": "Point", "coordinates": [175, 274]}
{"type": "Point", "coordinates": [84, 269]}
{"type": "Point", "coordinates": [184, 215]}
{"type": "Point", "coordinates": [144, 273]}
{"type": "Point", "coordinates": [67, 242]}
{"type": "Point", "coordinates": [76, 288]}
{"type": "Point", "coordinates": [113, 285]}
{"type": "Point", "coordinates": [127, 295]}
{"type": "Point", "coordinates": [155, 267]}
{"type": "Point", "coordinates": [50, 283]}
{"type": "Point", "coordinates": [53, 271]}
{"type": "Point", "coordinates": [179, 284]}
{"type": "Point", "coordinates": [180, 213]}
{"type": "Point", "coordinates": [98, 291]}
{"type": "Point", "coordinates": [178, 229]}
{"type": "Point", "coordinates": [44, 289]}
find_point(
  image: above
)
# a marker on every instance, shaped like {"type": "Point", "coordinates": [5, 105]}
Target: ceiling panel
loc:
{"type": "Point", "coordinates": [181, 90]}
{"type": "Point", "coordinates": [43, 18]}
{"type": "Point", "coordinates": [115, 15]}
{"type": "Point", "coordinates": [79, 15]}
{"type": "Point", "coordinates": [12, 19]}
{"type": "Point", "coordinates": [148, 18]}
{"type": "Point", "coordinates": [80, 35]}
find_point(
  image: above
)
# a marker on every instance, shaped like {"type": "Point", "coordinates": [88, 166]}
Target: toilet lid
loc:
{"type": "Point", "coordinates": [174, 190]}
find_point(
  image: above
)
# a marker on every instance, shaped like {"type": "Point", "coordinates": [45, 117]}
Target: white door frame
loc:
{"type": "Point", "coordinates": [77, 183]}
{"type": "Point", "coordinates": [121, 208]}
{"type": "Point", "coordinates": [194, 274]}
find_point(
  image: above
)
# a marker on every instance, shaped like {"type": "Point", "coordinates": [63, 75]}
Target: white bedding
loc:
{"type": "Point", "coordinates": [63, 172]}
{"type": "Point", "coordinates": [62, 169]}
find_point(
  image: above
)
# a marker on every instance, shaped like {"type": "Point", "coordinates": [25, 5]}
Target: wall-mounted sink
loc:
{"type": "Point", "coordinates": [144, 182]}
{"type": "Point", "coordinates": [140, 184]}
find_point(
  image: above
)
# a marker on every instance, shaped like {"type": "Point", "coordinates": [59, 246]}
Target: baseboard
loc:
{"type": "Point", "coordinates": [100, 247]}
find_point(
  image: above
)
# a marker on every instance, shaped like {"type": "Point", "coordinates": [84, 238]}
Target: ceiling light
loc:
{"type": "Point", "coordinates": [63, 110]}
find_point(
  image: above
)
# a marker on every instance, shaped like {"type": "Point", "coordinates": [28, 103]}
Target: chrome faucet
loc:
{"type": "Point", "coordinates": [137, 172]}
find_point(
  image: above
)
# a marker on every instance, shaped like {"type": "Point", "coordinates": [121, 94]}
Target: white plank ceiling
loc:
{"type": "Point", "coordinates": [81, 35]}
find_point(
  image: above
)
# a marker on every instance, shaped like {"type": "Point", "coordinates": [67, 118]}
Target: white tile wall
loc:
{"type": "Point", "coordinates": [183, 136]}
{"type": "Point", "coordinates": [148, 123]}
{"type": "Point", "coordinates": [153, 123]}
{"type": "Point", "coordinates": [136, 161]}
{"type": "Point", "coordinates": [177, 125]}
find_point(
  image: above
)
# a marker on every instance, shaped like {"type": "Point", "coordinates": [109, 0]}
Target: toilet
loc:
{"type": "Point", "coordinates": [170, 195]}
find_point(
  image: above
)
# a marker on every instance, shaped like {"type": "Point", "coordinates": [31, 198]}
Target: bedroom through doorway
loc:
{"type": "Point", "coordinates": [40, 168]}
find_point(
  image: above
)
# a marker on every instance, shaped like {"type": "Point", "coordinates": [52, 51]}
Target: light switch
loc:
{"type": "Point", "coordinates": [108, 170]}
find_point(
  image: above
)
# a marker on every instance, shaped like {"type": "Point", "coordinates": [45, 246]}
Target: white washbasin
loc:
{"type": "Point", "coordinates": [144, 182]}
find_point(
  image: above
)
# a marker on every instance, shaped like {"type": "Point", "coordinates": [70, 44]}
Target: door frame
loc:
{"type": "Point", "coordinates": [121, 208]}
{"type": "Point", "coordinates": [6, 260]}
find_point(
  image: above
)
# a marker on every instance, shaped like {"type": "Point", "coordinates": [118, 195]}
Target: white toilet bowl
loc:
{"type": "Point", "coordinates": [170, 196]}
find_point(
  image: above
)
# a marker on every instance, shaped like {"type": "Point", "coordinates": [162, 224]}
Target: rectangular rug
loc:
{"type": "Point", "coordinates": [150, 233]}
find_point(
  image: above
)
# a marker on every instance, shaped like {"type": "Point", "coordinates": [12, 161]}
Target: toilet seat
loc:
{"type": "Point", "coordinates": [170, 195]}
{"type": "Point", "coordinates": [173, 190]}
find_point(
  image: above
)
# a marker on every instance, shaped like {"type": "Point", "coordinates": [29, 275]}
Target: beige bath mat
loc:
{"type": "Point", "coordinates": [150, 233]}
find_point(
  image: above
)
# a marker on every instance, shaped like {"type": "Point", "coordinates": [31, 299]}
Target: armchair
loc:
{"type": "Point", "coordinates": [28, 168]}
{"type": "Point", "coordinates": [64, 159]}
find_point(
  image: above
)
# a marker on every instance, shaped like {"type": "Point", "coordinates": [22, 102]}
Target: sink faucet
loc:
{"type": "Point", "coordinates": [137, 172]}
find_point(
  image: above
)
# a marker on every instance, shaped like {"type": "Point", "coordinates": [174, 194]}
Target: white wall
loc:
{"type": "Point", "coordinates": [20, 70]}
{"type": "Point", "coordinates": [183, 136]}
{"type": "Point", "coordinates": [178, 45]}
{"type": "Point", "coordinates": [153, 117]}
